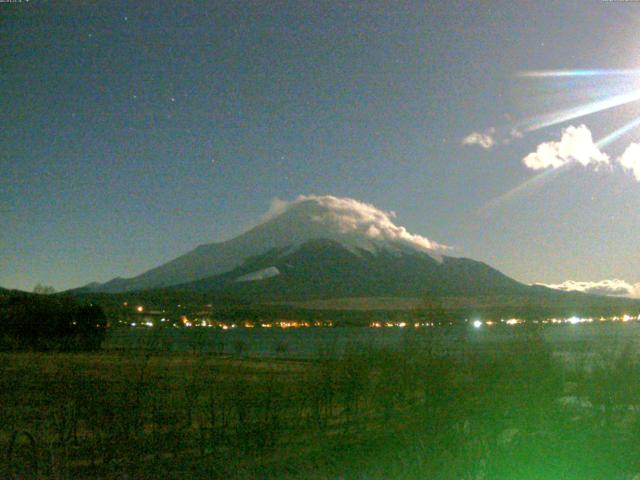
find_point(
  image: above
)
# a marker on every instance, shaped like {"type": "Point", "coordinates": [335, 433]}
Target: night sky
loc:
{"type": "Point", "coordinates": [132, 132]}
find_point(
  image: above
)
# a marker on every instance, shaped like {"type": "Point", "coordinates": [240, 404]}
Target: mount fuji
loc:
{"type": "Point", "coordinates": [323, 247]}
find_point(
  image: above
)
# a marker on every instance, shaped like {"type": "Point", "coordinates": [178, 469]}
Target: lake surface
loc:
{"type": "Point", "coordinates": [587, 339]}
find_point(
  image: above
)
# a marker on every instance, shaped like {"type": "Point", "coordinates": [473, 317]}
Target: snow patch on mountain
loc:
{"type": "Point", "coordinates": [259, 275]}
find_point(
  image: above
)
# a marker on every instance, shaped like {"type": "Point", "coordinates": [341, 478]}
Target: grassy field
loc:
{"type": "Point", "coordinates": [516, 413]}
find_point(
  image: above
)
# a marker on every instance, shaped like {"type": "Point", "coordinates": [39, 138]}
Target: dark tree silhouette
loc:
{"type": "Point", "coordinates": [43, 289]}
{"type": "Point", "coordinates": [46, 323]}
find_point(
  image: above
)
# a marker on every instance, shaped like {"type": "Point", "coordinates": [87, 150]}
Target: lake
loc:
{"type": "Point", "coordinates": [586, 339]}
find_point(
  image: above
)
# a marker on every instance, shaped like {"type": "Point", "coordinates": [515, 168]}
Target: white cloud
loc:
{"type": "Point", "coordinates": [276, 208]}
{"type": "Point", "coordinates": [613, 287]}
{"type": "Point", "coordinates": [575, 145]}
{"type": "Point", "coordinates": [346, 216]}
{"type": "Point", "coordinates": [486, 140]}
{"type": "Point", "coordinates": [630, 160]}
{"type": "Point", "coordinates": [516, 133]}
{"type": "Point", "coordinates": [491, 137]}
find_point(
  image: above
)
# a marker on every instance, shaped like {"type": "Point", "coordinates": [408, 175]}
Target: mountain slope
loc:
{"type": "Point", "coordinates": [327, 269]}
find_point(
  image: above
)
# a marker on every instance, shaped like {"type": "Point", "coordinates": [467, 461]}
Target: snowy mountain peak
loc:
{"type": "Point", "coordinates": [354, 224]}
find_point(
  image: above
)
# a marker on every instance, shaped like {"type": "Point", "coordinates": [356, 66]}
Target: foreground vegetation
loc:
{"type": "Point", "coordinates": [515, 413]}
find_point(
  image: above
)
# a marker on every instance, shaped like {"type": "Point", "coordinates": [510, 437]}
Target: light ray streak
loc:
{"type": "Point", "coordinates": [581, 111]}
{"type": "Point", "coordinates": [546, 175]}
{"type": "Point", "coordinates": [529, 184]}
{"type": "Point", "coordinates": [613, 136]}
{"type": "Point", "coordinates": [561, 116]}
{"type": "Point", "coordinates": [577, 73]}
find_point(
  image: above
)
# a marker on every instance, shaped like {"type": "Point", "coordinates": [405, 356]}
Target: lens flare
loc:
{"type": "Point", "coordinates": [617, 99]}
{"type": "Point", "coordinates": [561, 116]}
{"type": "Point", "coordinates": [613, 136]}
{"type": "Point", "coordinates": [527, 186]}
{"type": "Point", "coordinates": [577, 73]}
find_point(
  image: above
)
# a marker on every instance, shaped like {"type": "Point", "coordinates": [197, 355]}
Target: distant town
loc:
{"type": "Point", "coordinates": [140, 316]}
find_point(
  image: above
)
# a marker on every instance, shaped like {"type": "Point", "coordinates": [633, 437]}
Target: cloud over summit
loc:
{"type": "Point", "coordinates": [350, 217]}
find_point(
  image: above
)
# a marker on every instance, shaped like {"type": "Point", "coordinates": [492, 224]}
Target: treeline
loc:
{"type": "Point", "coordinates": [39, 322]}
{"type": "Point", "coordinates": [541, 303]}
